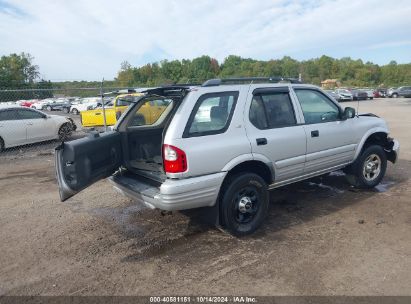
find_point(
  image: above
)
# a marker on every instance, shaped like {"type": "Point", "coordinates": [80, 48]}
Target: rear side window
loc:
{"type": "Point", "coordinates": [8, 115]}
{"type": "Point", "coordinates": [212, 114]}
{"type": "Point", "coordinates": [272, 110]}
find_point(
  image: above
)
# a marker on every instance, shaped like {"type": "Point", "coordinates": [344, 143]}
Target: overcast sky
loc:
{"type": "Point", "coordinates": [88, 39]}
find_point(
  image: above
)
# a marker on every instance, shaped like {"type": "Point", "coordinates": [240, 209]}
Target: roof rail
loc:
{"type": "Point", "coordinates": [245, 80]}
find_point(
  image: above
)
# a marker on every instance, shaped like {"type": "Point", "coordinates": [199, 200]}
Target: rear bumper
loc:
{"type": "Point", "coordinates": [173, 194]}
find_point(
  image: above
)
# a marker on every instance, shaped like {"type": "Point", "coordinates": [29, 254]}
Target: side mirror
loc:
{"type": "Point", "coordinates": [349, 113]}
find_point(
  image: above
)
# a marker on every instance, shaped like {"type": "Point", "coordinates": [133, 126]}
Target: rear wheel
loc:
{"type": "Point", "coordinates": [65, 132]}
{"type": "Point", "coordinates": [66, 110]}
{"type": "Point", "coordinates": [244, 203]}
{"type": "Point", "coordinates": [75, 111]}
{"type": "Point", "coordinates": [369, 169]}
{"type": "Point", "coordinates": [49, 108]}
{"type": "Point", "coordinates": [395, 95]}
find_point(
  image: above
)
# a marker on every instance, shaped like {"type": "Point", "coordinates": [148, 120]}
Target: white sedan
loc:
{"type": "Point", "coordinates": [21, 126]}
{"type": "Point", "coordinates": [85, 104]}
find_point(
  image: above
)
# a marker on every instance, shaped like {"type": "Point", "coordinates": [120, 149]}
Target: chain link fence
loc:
{"type": "Point", "coordinates": [34, 121]}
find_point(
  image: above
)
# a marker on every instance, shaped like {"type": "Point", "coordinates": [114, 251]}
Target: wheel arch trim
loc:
{"type": "Point", "coordinates": [366, 136]}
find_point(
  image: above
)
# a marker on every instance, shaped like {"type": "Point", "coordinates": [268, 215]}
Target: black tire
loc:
{"type": "Point", "coordinates": [48, 108]}
{"type": "Point", "coordinates": [395, 95]}
{"type": "Point", "coordinates": [244, 203]}
{"type": "Point", "coordinates": [75, 111]}
{"type": "Point", "coordinates": [65, 131]}
{"type": "Point", "coordinates": [1, 144]}
{"type": "Point", "coordinates": [66, 110]}
{"type": "Point", "coordinates": [369, 169]}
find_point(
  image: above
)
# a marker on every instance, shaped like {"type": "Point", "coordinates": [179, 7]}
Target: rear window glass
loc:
{"type": "Point", "coordinates": [151, 111]}
{"type": "Point", "coordinates": [212, 114]}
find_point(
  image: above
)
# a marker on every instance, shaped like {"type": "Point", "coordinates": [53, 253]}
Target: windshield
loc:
{"type": "Point", "coordinates": [344, 91]}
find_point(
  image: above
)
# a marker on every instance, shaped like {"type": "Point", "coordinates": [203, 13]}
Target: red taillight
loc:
{"type": "Point", "coordinates": [174, 159]}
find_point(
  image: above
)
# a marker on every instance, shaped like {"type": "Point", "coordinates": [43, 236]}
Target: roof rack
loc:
{"type": "Point", "coordinates": [169, 90]}
{"type": "Point", "coordinates": [249, 80]}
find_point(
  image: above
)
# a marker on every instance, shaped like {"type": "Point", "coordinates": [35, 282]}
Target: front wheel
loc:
{"type": "Point", "coordinates": [75, 111]}
{"type": "Point", "coordinates": [66, 110]}
{"type": "Point", "coordinates": [369, 169]}
{"type": "Point", "coordinates": [65, 131]}
{"type": "Point", "coordinates": [49, 108]}
{"type": "Point", "coordinates": [244, 203]}
{"type": "Point", "coordinates": [395, 95]}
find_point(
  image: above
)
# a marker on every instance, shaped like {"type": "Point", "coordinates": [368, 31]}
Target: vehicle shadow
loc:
{"type": "Point", "coordinates": [289, 206]}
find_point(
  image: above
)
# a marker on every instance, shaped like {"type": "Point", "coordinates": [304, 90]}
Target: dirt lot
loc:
{"type": "Point", "coordinates": [321, 237]}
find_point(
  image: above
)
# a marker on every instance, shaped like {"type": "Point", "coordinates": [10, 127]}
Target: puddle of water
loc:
{"type": "Point", "coordinates": [321, 185]}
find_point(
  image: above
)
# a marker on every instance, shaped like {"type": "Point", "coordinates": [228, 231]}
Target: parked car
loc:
{"type": "Point", "coordinates": [58, 105]}
{"type": "Point", "coordinates": [333, 94]}
{"type": "Point", "coordinates": [344, 95]}
{"type": "Point", "coordinates": [21, 126]}
{"type": "Point", "coordinates": [381, 92]}
{"type": "Point", "coordinates": [390, 91]}
{"type": "Point", "coordinates": [27, 103]}
{"type": "Point", "coordinates": [256, 137]}
{"type": "Point", "coordinates": [40, 104]}
{"type": "Point", "coordinates": [370, 93]}
{"type": "Point", "coordinates": [84, 104]}
{"type": "Point", "coordinates": [401, 92]}
{"type": "Point", "coordinates": [359, 94]}
{"type": "Point", "coordinates": [95, 118]}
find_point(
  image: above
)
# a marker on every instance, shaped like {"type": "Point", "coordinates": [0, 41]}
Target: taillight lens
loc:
{"type": "Point", "coordinates": [174, 159]}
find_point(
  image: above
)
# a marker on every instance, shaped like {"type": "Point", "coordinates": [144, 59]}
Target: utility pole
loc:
{"type": "Point", "coordinates": [103, 106]}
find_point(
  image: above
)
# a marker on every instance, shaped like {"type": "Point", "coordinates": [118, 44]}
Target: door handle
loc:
{"type": "Point", "coordinates": [97, 113]}
{"type": "Point", "coordinates": [315, 133]}
{"type": "Point", "coordinates": [261, 141]}
{"type": "Point", "coordinates": [29, 123]}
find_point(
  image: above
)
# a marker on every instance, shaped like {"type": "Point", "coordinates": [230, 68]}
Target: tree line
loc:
{"type": "Point", "coordinates": [20, 77]}
{"type": "Point", "coordinates": [348, 71]}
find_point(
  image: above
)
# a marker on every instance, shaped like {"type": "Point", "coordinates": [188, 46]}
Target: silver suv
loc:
{"type": "Point", "coordinates": [223, 145]}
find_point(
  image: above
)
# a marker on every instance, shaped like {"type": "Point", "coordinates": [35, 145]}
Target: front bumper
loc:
{"type": "Point", "coordinates": [173, 194]}
{"type": "Point", "coordinates": [392, 150]}
{"type": "Point", "coordinates": [346, 98]}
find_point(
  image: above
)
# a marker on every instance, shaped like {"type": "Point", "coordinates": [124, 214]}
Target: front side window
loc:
{"type": "Point", "coordinates": [316, 107]}
{"type": "Point", "coordinates": [212, 114]}
{"type": "Point", "coordinates": [272, 110]}
{"type": "Point", "coordinates": [150, 111]}
{"type": "Point", "coordinates": [28, 114]}
{"type": "Point", "coordinates": [8, 115]}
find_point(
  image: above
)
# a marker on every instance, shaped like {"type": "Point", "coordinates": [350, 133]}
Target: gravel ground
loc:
{"type": "Point", "coordinates": [321, 237]}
